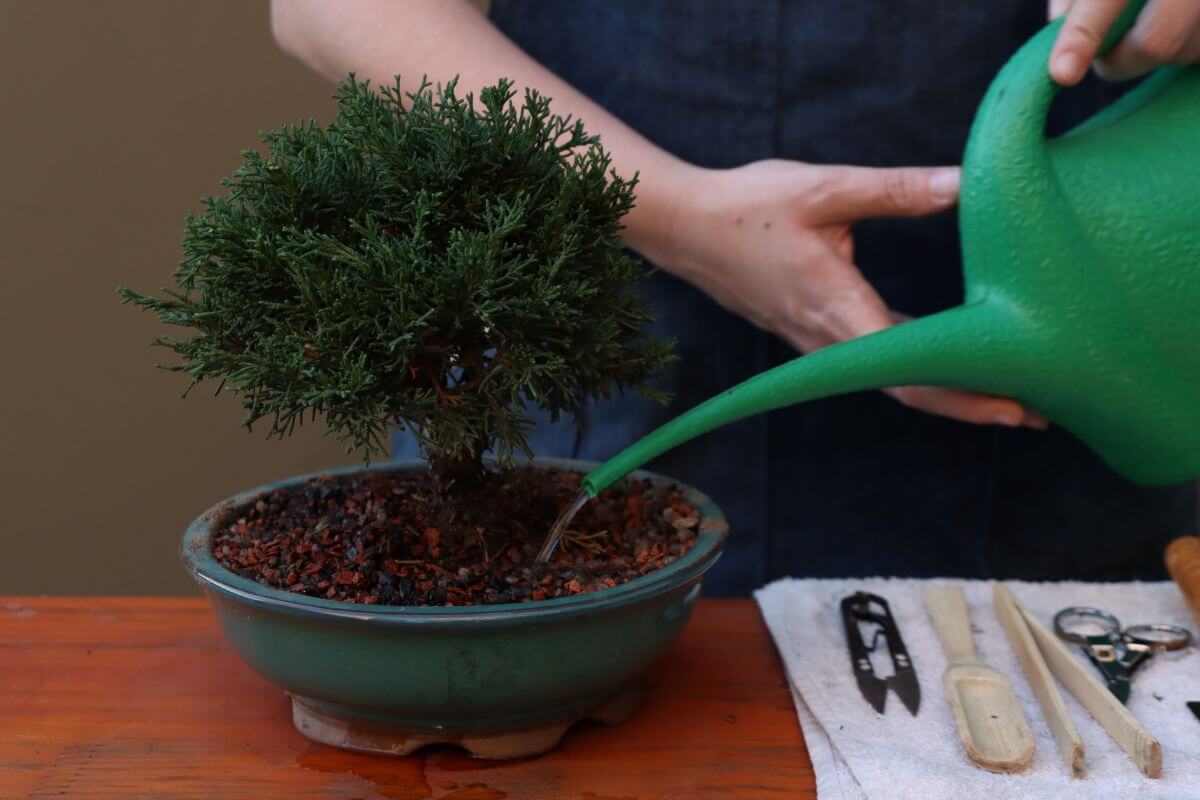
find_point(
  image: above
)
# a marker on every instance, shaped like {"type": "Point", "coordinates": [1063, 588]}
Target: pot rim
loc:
{"type": "Point", "coordinates": [199, 561]}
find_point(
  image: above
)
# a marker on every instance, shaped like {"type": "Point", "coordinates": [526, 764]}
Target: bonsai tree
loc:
{"type": "Point", "coordinates": [430, 264]}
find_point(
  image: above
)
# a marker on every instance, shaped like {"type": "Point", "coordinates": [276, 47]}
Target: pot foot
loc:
{"type": "Point", "coordinates": [378, 738]}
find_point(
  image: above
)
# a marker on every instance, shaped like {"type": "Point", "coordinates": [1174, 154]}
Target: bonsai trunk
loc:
{"type": "Point", "coordinates": [461, 472]}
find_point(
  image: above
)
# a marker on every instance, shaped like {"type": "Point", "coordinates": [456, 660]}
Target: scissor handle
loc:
{"type": "Point", "coordinates": [1067, 623]}
{"type": "Point", "coordinates": [1159, 636]}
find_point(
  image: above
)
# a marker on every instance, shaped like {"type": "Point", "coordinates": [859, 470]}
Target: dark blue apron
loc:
{"type": "Point", "coordinates": [854, 485]}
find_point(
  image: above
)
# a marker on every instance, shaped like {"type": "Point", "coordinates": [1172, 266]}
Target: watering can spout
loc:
{"type": "Point", "coordinates": [951, 348]}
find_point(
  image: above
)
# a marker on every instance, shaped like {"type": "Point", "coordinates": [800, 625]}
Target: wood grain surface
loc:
{"type": "Point", "coordinates": [142, 698]}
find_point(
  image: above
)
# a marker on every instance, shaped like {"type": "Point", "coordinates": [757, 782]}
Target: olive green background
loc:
{"type": "Point", "coordinates": [119, 115]}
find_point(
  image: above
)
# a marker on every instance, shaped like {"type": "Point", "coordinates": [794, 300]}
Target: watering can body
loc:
{"type": "Point", "coordinates": [1086, 251]}
{"type": "Point", "coordinates": [1081, 260]}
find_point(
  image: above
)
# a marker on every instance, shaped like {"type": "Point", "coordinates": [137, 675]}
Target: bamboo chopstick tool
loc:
{"type": "Point", "coordinates": [1183, 562]}
{"type": "Point", "coordinates": [989, 719]}
{"type": "Point", "coordinates": [1070, 746]}
{"type": "Point", "coordinates": [1041, 652]}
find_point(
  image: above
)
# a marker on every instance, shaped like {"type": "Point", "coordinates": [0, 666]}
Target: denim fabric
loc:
{"type": "Point", "coordinates": [854, 485]}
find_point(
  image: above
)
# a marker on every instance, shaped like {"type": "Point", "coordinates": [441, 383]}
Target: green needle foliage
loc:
{"type": "Point", "coordinates": [439, 266]}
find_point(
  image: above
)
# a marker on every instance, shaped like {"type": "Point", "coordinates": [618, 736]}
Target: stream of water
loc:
{"type": "Point", "coordinates": [560, 526]}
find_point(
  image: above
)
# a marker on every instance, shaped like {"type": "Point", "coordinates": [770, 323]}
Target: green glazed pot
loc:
{"type": "Point", "coordinates": [502, 680]}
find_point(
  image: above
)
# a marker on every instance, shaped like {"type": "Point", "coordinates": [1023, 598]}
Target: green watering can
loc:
{"type": "Point", "coordinates": [1082, 268]}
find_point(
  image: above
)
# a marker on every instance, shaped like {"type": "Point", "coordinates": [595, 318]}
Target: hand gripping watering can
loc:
{"type": "Point", "coordinates": [1082, 268]}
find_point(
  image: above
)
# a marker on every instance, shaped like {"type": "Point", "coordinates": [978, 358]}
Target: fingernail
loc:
{"type": "Point", "coordinates": [943, 185]}
{"type": "Point", "coordinates": [1036, 421]}
{"type": "Point", "coordinates": [1008, 419]}
{"type": "Point", "coordinates": [1066, 67]}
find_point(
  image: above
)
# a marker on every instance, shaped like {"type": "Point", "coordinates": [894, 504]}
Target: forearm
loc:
{"type": "Point", "coordinates": [379, 39]}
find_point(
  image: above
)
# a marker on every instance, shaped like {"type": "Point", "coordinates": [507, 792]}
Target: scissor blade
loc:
{"type": "Point", "coordinates": [873, 689]}
{"type": "Point", "coordinates": [1116, 677]}
{"type": "Point", "coordinates": [907, 688]}
{"type": "Point", "coordinates": [1120, 688]}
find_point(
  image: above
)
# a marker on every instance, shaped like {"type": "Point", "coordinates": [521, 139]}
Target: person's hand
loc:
{"type": "Point", "coordinates": [1166, 32]}
{"type": "Point", "coordinates": [771, 241]}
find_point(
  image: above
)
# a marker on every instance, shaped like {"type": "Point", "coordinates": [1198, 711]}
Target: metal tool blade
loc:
{"type": "Point", "coordinates": [873, 689]}
{"type": "Point", "coordinates": [907, 688]}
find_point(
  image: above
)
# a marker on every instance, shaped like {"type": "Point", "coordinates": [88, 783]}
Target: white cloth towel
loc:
{"type": "Point", "coordinates": [858, 754]}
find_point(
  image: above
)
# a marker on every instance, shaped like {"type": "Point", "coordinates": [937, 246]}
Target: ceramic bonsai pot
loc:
{"type": "Point", "coordinates": [501, 681]}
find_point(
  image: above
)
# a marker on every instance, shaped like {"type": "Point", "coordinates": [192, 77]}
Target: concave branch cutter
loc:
{"type": "Point", "coordinates": [862, 607]}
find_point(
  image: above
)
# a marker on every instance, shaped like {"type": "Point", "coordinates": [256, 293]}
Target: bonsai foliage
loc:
{"type": "Point", "coordinates": [439, 267]}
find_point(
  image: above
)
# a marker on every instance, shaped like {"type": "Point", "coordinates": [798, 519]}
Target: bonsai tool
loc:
{"type": "Point", "coordinates": [1183, 562]}
{"type": "Point", "coordinates": [989, 719]}
{"type": "Point", "coordinates": [1116, 653]}
{"type": "Point", "coordinates": [1043, 654]}
{"type": "Point", "coordinates": [862, 608]}
{"type": "Point", "coordinates": [1081, 257]}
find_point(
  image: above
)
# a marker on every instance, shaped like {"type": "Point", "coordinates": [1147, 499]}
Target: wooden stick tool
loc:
{"type": "Point", "coordinates": [990, 722]}
{"type": "Point", "coordinates": [1042, 654]}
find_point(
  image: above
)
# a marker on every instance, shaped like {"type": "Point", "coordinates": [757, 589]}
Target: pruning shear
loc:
{"type": "Point", "coordinates": [1116, 652]}
{"type": "Point", "coordinates": [873, 610]}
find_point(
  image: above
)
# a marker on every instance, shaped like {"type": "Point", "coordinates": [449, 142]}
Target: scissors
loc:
{"type": "Point", "coordinates": [1116, 653]}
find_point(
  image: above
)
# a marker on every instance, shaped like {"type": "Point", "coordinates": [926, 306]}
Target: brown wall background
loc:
{"type": "Point", "coordinates": [118, 116]}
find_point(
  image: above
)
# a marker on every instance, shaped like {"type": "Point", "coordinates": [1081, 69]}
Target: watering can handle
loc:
{"type": "Point", "coordinates": [1008, 139]}
{"type": "Point", "coordinates": [1122, 26]}
{"type": "Point", "coordinates": [1039, 49]}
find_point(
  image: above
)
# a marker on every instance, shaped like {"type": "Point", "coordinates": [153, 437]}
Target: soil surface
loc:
{"type": "Point", "coordinates": [391, 539]}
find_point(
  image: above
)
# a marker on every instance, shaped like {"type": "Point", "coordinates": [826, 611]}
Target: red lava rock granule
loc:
{"type": "Point", "coordinates": [391, 539]}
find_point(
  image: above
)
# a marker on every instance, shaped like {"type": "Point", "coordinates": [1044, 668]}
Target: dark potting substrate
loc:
{"type": "Point", "coordinates": [392, 539]}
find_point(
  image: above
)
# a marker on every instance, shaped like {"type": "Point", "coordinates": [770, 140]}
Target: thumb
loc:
{"type": "Point", "coordinates": [1056, 9]}
{"type": "Point", "coordinates": [860, 192]}
{"type": "Point", "coordinates": [1084, 29]}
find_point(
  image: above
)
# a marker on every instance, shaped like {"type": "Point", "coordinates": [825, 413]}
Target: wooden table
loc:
{"type": "Point", "coordinates": [142, 698]}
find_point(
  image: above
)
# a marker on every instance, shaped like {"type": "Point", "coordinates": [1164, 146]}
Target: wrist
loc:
{"type": "Point", "coordinates": [662, 223]}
